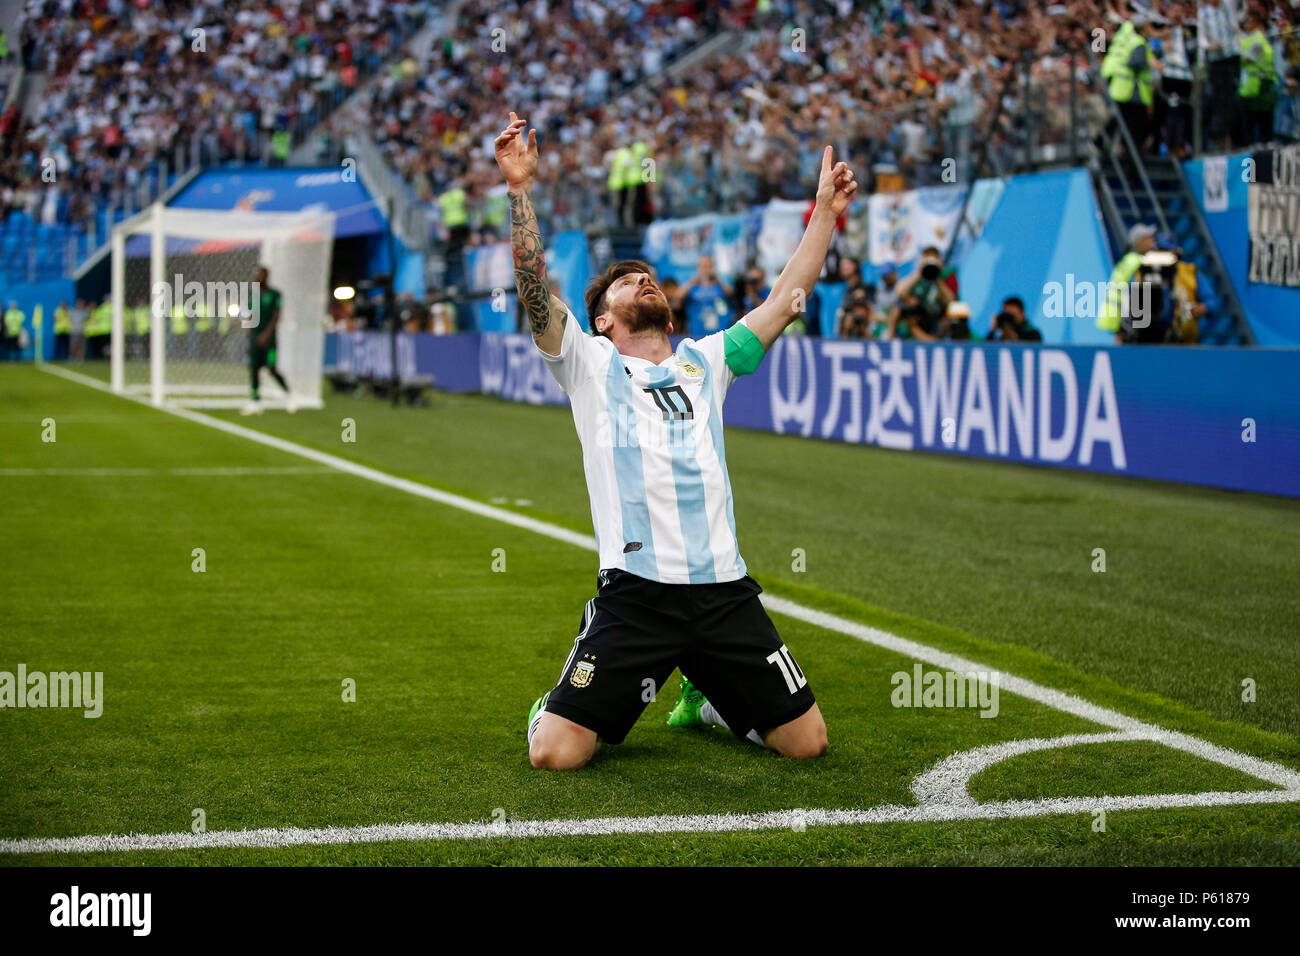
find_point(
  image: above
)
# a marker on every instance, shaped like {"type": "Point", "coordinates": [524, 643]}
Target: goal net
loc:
{"type": "Point", "coordinates": [185, 303]}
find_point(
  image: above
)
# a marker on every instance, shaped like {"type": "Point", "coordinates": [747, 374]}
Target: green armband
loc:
{"type": "Point", "coordinates": [743, 349]}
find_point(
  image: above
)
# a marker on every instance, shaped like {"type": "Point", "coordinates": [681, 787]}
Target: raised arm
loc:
{"type": "Point", "coordinates": [790, 292]}
{"type": "Point", "coordinates": [518, 162]}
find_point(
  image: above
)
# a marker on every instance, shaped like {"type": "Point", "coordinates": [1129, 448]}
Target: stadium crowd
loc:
{"type": "Point", "coordinates": [434, 121]}
{"type": "Point", "coordinates": [740, 126]}
{"type": "Point", "coordinates": [130, 84]}
{"type": "Point", "coordinates": [127, 82]}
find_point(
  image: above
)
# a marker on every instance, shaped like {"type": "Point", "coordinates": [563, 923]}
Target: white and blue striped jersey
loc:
{"type": "Point", "coordinates": [654, 456]}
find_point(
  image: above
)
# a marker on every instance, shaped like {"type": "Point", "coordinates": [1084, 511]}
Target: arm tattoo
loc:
{"type": "Point", "coordinates": [530, 262]}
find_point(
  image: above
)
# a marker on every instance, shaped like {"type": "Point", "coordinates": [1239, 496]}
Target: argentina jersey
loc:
{"type": "Point", "coordinates": [654, 457]}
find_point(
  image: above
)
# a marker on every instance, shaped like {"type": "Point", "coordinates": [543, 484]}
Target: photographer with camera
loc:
{"type": "Point", "coordinates": [1172, 309]}
{"type": "Point", "coordinates": [923, 299]}
{"type": "Point", "coordinates": [1011, 324]}
{"type": "Point", "coordinates": [856, 314]}
{"type": "Point", "coordinates": [856, 293]}
{"type": "Point", "coordinates": [751, 291]}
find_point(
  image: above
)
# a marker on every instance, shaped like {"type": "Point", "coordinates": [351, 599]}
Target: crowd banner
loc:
{"type": "Point", "coordinates": [568, 261]}
{"type": "Point", "coordinates": [779, 234]}
{"type": "Point", "coordinates": [1227, 418]}
{"type": "Point", "coordinates": [491, 270]}
{"type": "Point", "coordinates": [1251, 202]}
{"type": "Point", "coordinates": [902, 224]}
{"type": "Point", "coordinates": [1273, 204]}
{"type": "Point", "coordinates": [674, 246]}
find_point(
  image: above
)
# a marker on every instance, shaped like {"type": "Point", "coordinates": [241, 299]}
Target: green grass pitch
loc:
{"type": "Point", "coordinates": [223, 689]}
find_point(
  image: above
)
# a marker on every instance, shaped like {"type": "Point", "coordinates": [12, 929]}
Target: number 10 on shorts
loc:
{"type": "Point", "coordinates": [794, 678]}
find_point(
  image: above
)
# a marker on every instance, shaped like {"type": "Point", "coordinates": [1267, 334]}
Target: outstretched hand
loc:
{"type": "Point", "coordinates": [835, 186]}
{"type": "Point", "coordinates": [516, 156]}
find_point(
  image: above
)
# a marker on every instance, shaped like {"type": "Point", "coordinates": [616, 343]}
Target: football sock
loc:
{"type": "Point", "coordinates": [710, 715]}
{"type": "Point", "coordinates": [275, 374]}
{"type": "Point", "coordinates": [532, 727]}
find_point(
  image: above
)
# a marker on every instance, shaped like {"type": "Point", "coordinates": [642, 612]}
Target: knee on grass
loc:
{"type": "Point", "coordinates": [801, 743]}
{"type": "Point", "coordinates": [551, 755]}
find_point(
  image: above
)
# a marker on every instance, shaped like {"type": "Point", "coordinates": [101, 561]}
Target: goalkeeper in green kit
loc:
{"type": "Point", "coordinates": [261, 340]}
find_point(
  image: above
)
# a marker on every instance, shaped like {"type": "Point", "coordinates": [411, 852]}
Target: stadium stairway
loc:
{"type": "Point", "coordinates": [1155, 190]}
{"type": "Point", "coordinates": [1133, 188]}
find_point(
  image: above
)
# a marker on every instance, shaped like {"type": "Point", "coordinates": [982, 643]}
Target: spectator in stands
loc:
{"type": "Point", "coordinates": [1218, 49]}
{"type": "Point", "coordinates": [1173, 115]}
{"type": "Point", "coordinates": [672, 292]}
{"type": "Point", "coordinates": [1011, 324]}
{"type": "Point", "coordinates": [750, 292]}
{"type": "Point", "coordinates": [886, 296]}
{"type": "Point", "coordinates": [1286, 119]}
{"type": "Point", "coordinates": [704, 299]}
{"type": "Point", "coordinates": [850, 271]}
{"type": "Point", "coordinates": [1257, 91]}
{"type": "Point", "coordinates": [851, 274]}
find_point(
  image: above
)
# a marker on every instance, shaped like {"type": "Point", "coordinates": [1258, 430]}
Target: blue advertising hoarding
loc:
{"type": "Point", "coordinates": [1228, 418]}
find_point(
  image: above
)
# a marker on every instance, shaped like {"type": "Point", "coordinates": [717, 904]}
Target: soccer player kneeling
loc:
{"type": "Point", "coordinates": [672, 591]}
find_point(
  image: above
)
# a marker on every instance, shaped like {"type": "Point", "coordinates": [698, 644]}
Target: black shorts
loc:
{"type": "Point", "coordinates": [259, 357]}
{"type": "Point", "coordinates": [634, 632]}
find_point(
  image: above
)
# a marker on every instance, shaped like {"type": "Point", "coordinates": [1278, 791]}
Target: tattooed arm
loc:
{"type": "Point", "coordinates": [517, 158]}
{"type": "Point", "coordinates": [546, 313]}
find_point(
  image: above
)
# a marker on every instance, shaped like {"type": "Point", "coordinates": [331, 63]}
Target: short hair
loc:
{"type": "Point", "coordinates": [599, 285]}
{"type": "Point", "coordinates": [928, 249]}
{"type": "Point", "coordinates": [1014, 300]}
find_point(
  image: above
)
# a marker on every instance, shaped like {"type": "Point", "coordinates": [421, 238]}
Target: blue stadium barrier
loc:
{"type": "Point", "coordinates": [1273, 310]}
{"type": "Point", "coordinates": [1227, 418]}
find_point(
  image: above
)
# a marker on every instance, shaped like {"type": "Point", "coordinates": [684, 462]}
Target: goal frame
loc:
{"type": "Point", "coordinates": [153, 222]}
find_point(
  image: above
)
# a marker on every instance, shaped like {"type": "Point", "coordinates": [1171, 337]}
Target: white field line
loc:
{"type": "Point", "coordinates": [350, 467]}
{"type": "Point", "coordinates": [945, 801]}
{"type": "Point", "coordinates": [1263, 769]}
{"type": "Point", "coordinates": [608, 826]}
{"type": "Point", "coordinates": [947, 783]}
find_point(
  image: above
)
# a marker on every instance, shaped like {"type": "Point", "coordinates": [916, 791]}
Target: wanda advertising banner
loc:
{"type": "Point", "coordinates": [1228, 418]}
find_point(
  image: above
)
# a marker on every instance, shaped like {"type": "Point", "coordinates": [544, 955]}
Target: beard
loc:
{"type": "Point", "coordinates": [650, 314]}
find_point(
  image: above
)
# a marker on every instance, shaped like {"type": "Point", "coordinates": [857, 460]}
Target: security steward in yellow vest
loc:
{"type": "Point", "coordinates": [636, 183]}
{"type": "Point", "coordinates": [98, 329]}
{"type": "Point", "coordinates": [1142, 239]}
{"type": "Point", "coordinates": [14, 319]}
{"type": "Point", "coordinates": [617, 183]}
{"type": "Point", "coordinates": [1130, 81]}
{"type": "Point", "coordinates": [62, 331]}
{"type": "Point", "coordinates": [1257, 90]}
{"type": "Point", "coordinates": [455, 216]}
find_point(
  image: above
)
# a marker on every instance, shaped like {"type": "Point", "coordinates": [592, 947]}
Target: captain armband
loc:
{"type": "Point", "coordinates": [743, 351]}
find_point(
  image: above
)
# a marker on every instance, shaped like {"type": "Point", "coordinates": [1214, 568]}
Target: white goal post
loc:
{"type": "Point", "coordinates": [184, 295]}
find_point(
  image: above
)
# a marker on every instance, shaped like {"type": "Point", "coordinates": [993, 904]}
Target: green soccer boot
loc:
{"type": "Point", "coordinates": [538, 704]}
{"type": "Point", "coordinates": [686, 713]}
